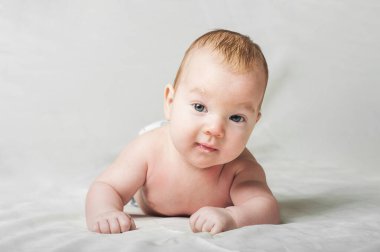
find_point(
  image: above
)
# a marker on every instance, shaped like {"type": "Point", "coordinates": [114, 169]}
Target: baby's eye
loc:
{"type": "Point", "coordinates": [199, 107]}
{"type": "Point", "coordinates": [237, 118]}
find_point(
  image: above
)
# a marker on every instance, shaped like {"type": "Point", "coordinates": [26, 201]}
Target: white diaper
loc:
{"type": "Point", "coordinates": [153, 126]}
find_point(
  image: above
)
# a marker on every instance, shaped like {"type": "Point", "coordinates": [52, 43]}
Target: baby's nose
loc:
{"type": "Point", "coordinates": [214, 127]}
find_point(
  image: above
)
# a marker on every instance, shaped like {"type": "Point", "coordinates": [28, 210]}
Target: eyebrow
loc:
{"type": "Point", "coordinates": [201, 91]}
{"type": "Point", "coordinates": [247, 106]}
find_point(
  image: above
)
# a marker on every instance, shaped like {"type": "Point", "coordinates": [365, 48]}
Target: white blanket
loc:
{"type": "Point", "coordinates": [78, 79]}
{"type": "Point", "coordinates": [324, 209]}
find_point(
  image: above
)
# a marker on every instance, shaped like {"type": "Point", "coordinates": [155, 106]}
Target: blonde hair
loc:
{"type": "Point", "coordinates": [238, 51]}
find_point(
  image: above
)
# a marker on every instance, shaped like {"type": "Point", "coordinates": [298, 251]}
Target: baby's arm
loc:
{"type": "Point", "coordinates": [113, 189]}
{"type": "Point", "coordinates": [252, 199]}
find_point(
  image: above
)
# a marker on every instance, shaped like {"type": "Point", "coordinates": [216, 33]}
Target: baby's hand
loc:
{"type": "Point", "coordinates": [113, 222]}
{"type": "Point", "coordinates": [212, 219]}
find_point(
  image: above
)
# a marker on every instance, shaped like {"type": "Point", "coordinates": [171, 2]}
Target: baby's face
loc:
{"type": "Point", "coordinates": [213, 110]}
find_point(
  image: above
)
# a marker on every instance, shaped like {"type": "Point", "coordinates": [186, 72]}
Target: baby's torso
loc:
{"type": "Point", "coordinates": [171, 194]}
{"type": "Point", "coordinates": [173, 190]}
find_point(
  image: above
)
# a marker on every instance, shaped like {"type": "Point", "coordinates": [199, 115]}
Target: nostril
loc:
{"type": "Point", "coordinates": [214, 128]}
{"type": "Point", "coordinates": [215, 133]}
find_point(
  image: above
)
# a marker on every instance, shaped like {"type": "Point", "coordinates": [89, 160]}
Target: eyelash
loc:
{"type": "Point", "coordinates": [201, 108]}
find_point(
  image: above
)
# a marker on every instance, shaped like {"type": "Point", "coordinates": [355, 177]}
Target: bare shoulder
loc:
{"type": "Point", "coordinates": [152, 141]}
{"type": "Point", "coordinates": [128, 171]}
{"type": "Point", "coordinates": [145, 144]}
{"type": "Point", "coordinates": [249, 180]}
{"type": "Point", "coordinates": [246, 167]}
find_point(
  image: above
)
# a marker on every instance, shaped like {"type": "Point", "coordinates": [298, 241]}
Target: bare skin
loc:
{"type": "Point", "coordinates": [197, 165]}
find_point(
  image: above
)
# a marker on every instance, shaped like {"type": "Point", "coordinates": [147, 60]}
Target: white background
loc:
{"type": "Point", "coordinates": [79, 79]}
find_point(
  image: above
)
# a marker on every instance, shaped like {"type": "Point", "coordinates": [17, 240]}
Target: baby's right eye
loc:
{"type": "Point", "coordinates": [199, 107]}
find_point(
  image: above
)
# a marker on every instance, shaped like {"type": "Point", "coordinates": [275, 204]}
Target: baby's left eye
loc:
{"type": "Point", "coordinates": [237, 118]}
{"type": "Point", "coordinates": [199, 107]}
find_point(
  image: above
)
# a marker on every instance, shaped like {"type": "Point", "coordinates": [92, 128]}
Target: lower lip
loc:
{"type": "Point", "coordinates": [205, 148]}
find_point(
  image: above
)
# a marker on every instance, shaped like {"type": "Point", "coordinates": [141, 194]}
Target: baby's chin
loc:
{"type": "Point", "coordinates": [199, 158]}
{"type": "Point", "coordinates": [206, 164]}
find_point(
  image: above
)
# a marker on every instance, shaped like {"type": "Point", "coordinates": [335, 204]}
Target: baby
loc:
{"type": "Point", "coordinates": [197, 164]}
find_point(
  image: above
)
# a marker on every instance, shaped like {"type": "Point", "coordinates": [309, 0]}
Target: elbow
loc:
{"type": "Point", "coordinates": [271, 212]}
{"type": "Point", "coordinates": [275, 217]}
{"type": "Point", "coordinates": [261, 211]}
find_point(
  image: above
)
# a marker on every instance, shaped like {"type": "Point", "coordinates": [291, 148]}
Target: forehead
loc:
{"type": "Point", "coordinates": [207, 77]}
{"type": "Point", "coordinates": [233, 61]}
{"type": "Point", "coordinates": [207, 59]}
{"type": "Point", "coordinates": [206, 73]}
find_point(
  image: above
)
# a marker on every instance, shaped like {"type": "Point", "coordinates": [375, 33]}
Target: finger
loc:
{"type": "Point", "coordinates": [114, 226]}
{"type": "Point", "coordinates": [216, 229]}
{"type": "Point", "coordinates": [104, 227]}
{"type": "Point", "coordinates": [193, 220]}
{"type": "Point", "coordinates": [125, 223]}
{"type": "Point", "coordinates": [207, 227]}
{"type": "Point", "coordinates": [95, 227]}
{"type": "Point", "coordinates": [200, 223]}
{"type": "Point", "coordinates": [133, 225]}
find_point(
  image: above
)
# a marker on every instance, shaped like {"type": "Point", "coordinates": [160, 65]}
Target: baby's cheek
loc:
{"type": "Point", "coordinates": [236, 146]}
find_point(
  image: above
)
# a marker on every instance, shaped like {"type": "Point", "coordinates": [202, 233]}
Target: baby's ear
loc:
{"type": "Point", "coordinates": [168, 100]}
{"type": "Point", "coordinates": [258, 117]}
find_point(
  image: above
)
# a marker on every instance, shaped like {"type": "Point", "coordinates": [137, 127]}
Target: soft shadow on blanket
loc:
{"type": "Point", "coordinates": [317, 206]}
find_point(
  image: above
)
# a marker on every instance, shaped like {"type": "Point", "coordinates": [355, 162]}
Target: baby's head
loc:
{"type": "Point", "coordinates": [216, 98]}
{"type": "Point", "coordinates": [238, 52]}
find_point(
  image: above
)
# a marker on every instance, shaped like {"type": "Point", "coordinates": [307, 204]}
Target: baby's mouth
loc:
{"type": "Point", "coordinates": [206, 147]}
